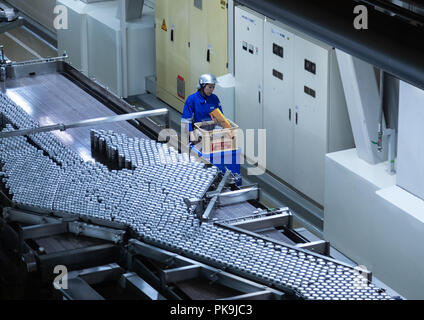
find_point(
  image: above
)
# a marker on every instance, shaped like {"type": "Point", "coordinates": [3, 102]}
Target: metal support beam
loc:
{"type": "Point", "coordinates": [180, 274]}
{"type": "Point", "coordinates": [321, 247]}
{"type": "Point", "coordinates": [36, 61]}
{"type": "Point", "coordinates": [43, 230]}
{"type": "Point", "coordinates": [20, 216]}
{"type": "Point", "coordinates": [148, 274]}
{"type": "Point", "coordinates": [44, 225]}
{"type": "Point", "coordinates": [133, 282]}
{"type": "Point", "coordinates": [279, 220]}
{"type": "Point", "coordinates": [206, 205]}
{"type": "Point", "coordinates": [79, 258]}
{"type": "Point", "coordinates": [109, 272]}
{"type": "Point", "coordinates": [78, 289]}
{"type": "Point", "coordinates": [79, 228]}
{"type": "Point", "coordinates": [213, 201]}
{"type": "Point", "coordinates": [136, 247]}
{"type": "Point", "coordinates": [263, 220]}
{"type": "Point", "coordinates": [80, 281]}
{"type": "Point", "coordinates": [238, 196]}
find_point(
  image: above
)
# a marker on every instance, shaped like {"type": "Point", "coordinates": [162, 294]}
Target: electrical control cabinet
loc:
{"type": "Point", "coordinates": [303, 107]}
{"type": "Point", "coordinates": [172, 51]}
{"type": "Point", "coordinates": [191, 39]}
{"type": "Point", "coordinates": [279, 99]}
{"type": "Point", "coordinates": [312, 109]}
{"type": "Point", "coordinates": [249, 31]}
{"type": "Point", "coordinates": [208, 39]}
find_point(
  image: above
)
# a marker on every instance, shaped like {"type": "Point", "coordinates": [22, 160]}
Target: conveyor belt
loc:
{"type": "Point", "coordinates": [150, 200]}
{"type": "Point", "coordinates": [65, 242]}
{"type": "Point", "coordinates": [234, 211]}
{"type": "Point", "coordinates": [53, 98]}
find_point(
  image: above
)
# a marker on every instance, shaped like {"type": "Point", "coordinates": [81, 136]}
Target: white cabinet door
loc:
{"type": "Point", "coordinates": [248, 69]}
{"type": "Point", "coordinates": [279, 100]}
{"type": "Point", "coordinates": [311, 113]}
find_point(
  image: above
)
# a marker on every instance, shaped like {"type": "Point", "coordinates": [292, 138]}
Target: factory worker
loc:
{"type": "Point", "coordinates": [199, 105]}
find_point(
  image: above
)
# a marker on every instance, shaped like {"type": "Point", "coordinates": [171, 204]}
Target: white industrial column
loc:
{"type": "Point", "coordinates": [230, 4]}
{"type": "Point", "coordinates": [124, 47]}
{"type": "Point", "coordinates": [363, 103]}
{"type": "Point", "coordinates": [410, 170]}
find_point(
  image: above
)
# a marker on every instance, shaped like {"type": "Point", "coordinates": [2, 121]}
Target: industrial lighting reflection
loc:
{"type": "Point", "coordinates": [16, 98]}
{"type": "Point", "coordinates": [63, 136]}
{"type": "Point", "coordinates": [85, 155]}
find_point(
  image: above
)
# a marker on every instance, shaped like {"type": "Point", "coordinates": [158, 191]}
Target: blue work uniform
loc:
{"type": "Point", "coordinates": [197, 108]}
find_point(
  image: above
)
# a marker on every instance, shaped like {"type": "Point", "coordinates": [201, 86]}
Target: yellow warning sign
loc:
{"type": "Point", "coordinates": [164, 25]}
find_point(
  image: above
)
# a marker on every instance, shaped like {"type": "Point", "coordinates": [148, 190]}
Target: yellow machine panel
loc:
{"type": "Point", "coordinates": [191, 39]}
{"type": "Point", "coordinates": [172, 51]}
{"type": "Point", "coordinates": [198, 43]}
{"type": "Point", "coordinates": [208, 39]}
{"type": "Point", "coordinates": [218, 36]}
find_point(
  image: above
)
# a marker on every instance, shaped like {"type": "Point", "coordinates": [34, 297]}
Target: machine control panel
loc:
{"type": "Point", "coordinates": [310, 66]}
{"type": "Point", "coordinates": [249, 47]}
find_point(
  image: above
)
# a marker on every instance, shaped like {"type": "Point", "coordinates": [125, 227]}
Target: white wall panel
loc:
{"type": "Point", "coordinates": [410, 169]}
{"type": "Point", "coordinates": [74, 39]}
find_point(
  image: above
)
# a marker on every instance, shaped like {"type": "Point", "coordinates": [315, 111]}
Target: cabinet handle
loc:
{"type": "Point", "coordinates": [172, 35]}
{"type": "Point", "coordinates": [259, 96]}
{"type": "Point", "coordinates": [289, 114]}
{"type": "Point", "coordinates": [208, 56]}
{"type": "Point", "coordinates": [297, 117]}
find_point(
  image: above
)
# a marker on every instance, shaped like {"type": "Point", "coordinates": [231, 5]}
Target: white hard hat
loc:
{"type": "Point", "coordinates": [206, 79]}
